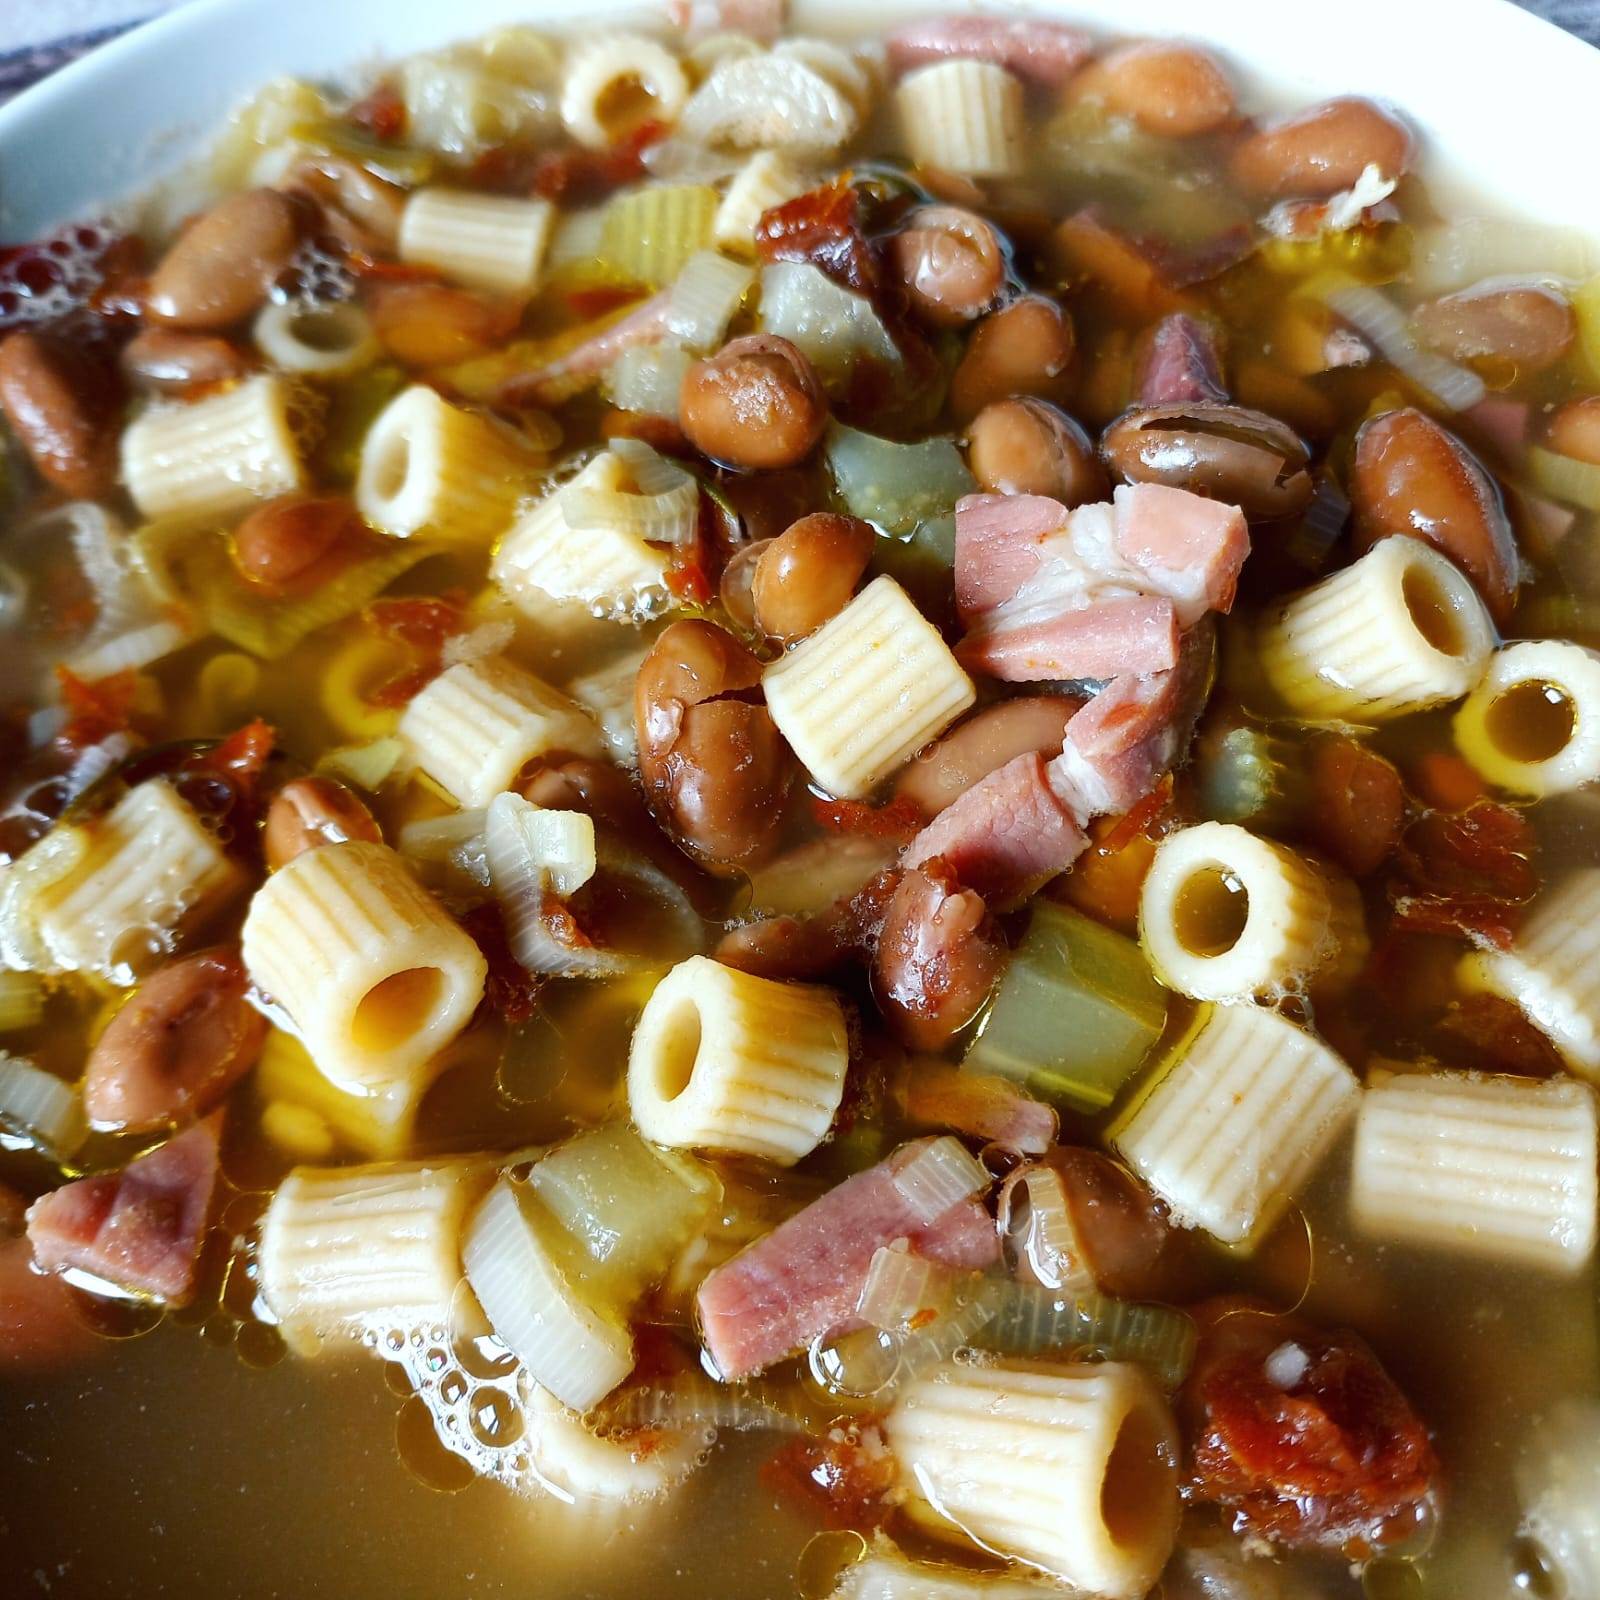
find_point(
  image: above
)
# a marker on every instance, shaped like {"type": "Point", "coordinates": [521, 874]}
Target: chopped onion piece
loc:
{"type": "Point", "coordinates": [768, 101]}
{"type": "Point", "coordinates": [706, 297]}
{"type": "Point", "coordinates": [693, 1402]}
{"type": "Point", "coordinates": [647, 379]}
{"type": "Point", "coordinates": [903, 1291]}
{"type": "Point", "coordinates": [38, 1110]}
{"type": "Point", "coordinates": [367, 766]}
{"type": "Point", "coordinates": [1038, 1225]}
{"type": "Point", "coordinates": [455, 839]}
{"type": "Point", "coordinates": [21, 1000]}
{"type": "Point", "coordinates": [831, 326]}
{"type": "Point", "coordinates": [663, 506]}
{"type": "Point", "coordinates": [556, 846]}
{"type": "Point", "coordinates": [1458, 254]}
{"type": "Point", "coordinates": [526, 1277]}
{"type": "Point", "coordinates": [1565, 477]}
{"type": "Point", "coordinates": [1384, 324]}
{"type": "Point", "coordinates": [938, 1176]}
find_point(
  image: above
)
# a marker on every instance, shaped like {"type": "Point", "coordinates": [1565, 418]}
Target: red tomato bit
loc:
{"type": "Point", "coordinates": [842, 1479]}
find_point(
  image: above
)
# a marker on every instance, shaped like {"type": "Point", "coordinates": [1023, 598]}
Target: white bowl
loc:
{"type": "Point", "coordinates": [1507, 98]}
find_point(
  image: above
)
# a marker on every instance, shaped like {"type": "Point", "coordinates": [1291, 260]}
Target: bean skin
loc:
{"type": "Point", "coordinates": [1574, 429]}
{"type": "Point", "coordinates": [1026, 348]}
{"type": "Point", "coordinates": [951, 262]}
{"type": "Point", "coordinates": [185, 1038]}
{"type": "Point", "coordinates": [808, 573]}
{"type": "Point", "coordinates": [1029, 446]}
{"type": "Point", "coordinates": [290, 545]}
{"type": "Point", "coordinates": [61, 410]}
{"type": "Point", "coordinates": [1317, 152]}
{"type": "Point", "coordinates": [1174, 90]}
{"type": "Point", "coordinates": [1411, 476]}
{"type": "Point", "coordinates": [219, 269]}
{"type": "Point", "coordinates": [169, 361]}
{"type": "Point", "coordinates": [308, 812]}
{"type": "Point", "coordinates": [1527, 324]}
{"type": "Point", "coordinates": [985, 741]}
{"type": "Point", "coordinates": [755, 405]}
{"type": "Point", "coordinates": [430, 325]}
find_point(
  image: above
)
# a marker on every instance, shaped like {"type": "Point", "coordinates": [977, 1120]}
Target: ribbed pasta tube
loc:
{"type": "Point", "coordinates": [486, 241]}
{"type": "Point", "coordinates": [1070, 1468]}
{"type": "Point", "coordinates": [603, 73]}
{"type": "Point", "coordinates": [767, 179]}
{"type": "Point", "coordinates": [376, 1247]}
{"type": "Point", "coordinates": [1239, 1122]}
{"type": "Point", "coordinates": [886, 1574]}
{"type": "Point", "coordinates": [1489, 1166]}
{"type": "Point", "coordinates": [377, 1125]}
{"type": "Point", "coordinates": [723, 1060]}
{"type": "Point", "coordinates": [607, 695]}
{"type": "Point", "coordinates": [1558, 1484]}
{"type": "Point", "coordinates": [570, 1457]}
{"type": "Point", "coordinates": [428, 467]}
{"type": "Point", "coordinates": [477, 725]}
{"type": "Point", "coordinates": [962, 116]}
{"type": "Point", "coordinates": [1532, 725]}
{"type": "Point", "coordinates": [1224, 915]}
{"type": "Point", "coordinates": [376, 978]}
{"type": "Point", "coordinates": [1400, 630]}
{"type": "Point", "coordinates": [215, 457]}
{"type": "Point", "coordinates": [148, 868]}
{"type": "Point", "coordinates": [325, 341]}
{"type": "Point", "coordinates": [866, 691]}
{"type": "Point", "coordinates": [1553, 970]}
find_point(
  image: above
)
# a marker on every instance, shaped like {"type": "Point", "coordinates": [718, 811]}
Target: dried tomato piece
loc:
{"type": "Point", "coordinates": [382, 113]}
{"type": "Point", "coordinates": [1486, 1033]}
{"type": "Point", "coordinates": [824, 228]}
{"type": "Point", "coordinates": [96, 707]}
{"type": "Point", "coordinates": [510, 990]}
{"type": "Point", "coordinates": [842, 1478]}
{"type": "Point", "coordinates": [424, 623]}
{"type": "Point", "coordinates": [1360, 803]}
{"type": "Point", "coordinates": [1466, 873]}
{"type": "Point", "coordinates": [242, 757]}
{"type": "Point", "coordinates": [1300, 1432]}
{"type": "Point", "coordinates": [900, 819]}
{"type": "Point", "coordinates": [574, 177]}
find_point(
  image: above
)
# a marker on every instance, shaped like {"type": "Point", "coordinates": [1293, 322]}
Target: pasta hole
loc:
{"type": "Point", "coordinates": [1431, 610]}
{"type": "Point", "coordinates": [1136, 1485]}
{"type": "Point", "coordinates": [393, 466]}
{"type": "Point", "coordinates": [329, 332]}
{"type": "Point", "coordinates": [680, 1049]}
{"type": "Point", "coordinates": [1531, 721]}
{"type": "Point", "coordinates": [1210, 912]}
{"type": "Point", "coordinates": [394, 1011]}
{"type": "Point", "coordinates": [625, 105]}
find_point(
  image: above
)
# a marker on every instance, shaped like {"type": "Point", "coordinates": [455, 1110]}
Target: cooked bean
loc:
{"type": "Point", "coordinates": [756, 404]}
{"type": "Point", "coordinates": [1411, 476]}
{"type": "Point", "coordinates": [348, 192]}
{"type": "Point", "coordinates": [1228, 452]}
{"type": "Point", "coordinates": [714, 765]}
{"type": "Point", "coordinates": [430, 325]}
{"type": "Point", "coordinates": [60, 404]}
{"type": "Point", "coordinates": [308, 812]}
{"type": "Point", "coordinates": [40, 1329]}
{"type": "Point", "coordinates": [736, 589]}
{"type": "Point", "coordinates": [290, 545]}
{"type": "Point", "coordinates": [951, 262]}
{"type": "Point", "coordinates": [169, 361]}
{"type": "Point", "coordinates": [1528, 324]}
{"type": "Point", "coordinates": [1027, 347]}
{"type": "Point", "coordinates": [938, 956]}
{"type": "Point", "coordinates": [1029, 446]}
{"type": "Point", "coordinates": [185, 1038]}
{"type": "Point", "coordinates": [1173, 89]}
{"type": "Point", "coordinates": [1574, 429]}
{"type": "Point", "coordinates": [808, 573]}
{"type": "Point", "coordinates": [986, 740]}
{"type": "Point", "coordinates": [221, 266]}
{"type": "Point", "coordinates": [1318, 152]}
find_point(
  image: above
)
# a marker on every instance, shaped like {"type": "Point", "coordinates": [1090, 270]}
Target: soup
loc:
{"type": "Point", "coordinates": [800, 817]}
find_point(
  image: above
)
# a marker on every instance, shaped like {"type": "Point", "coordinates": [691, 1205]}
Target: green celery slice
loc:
{"type": "Point", "coordinates": [896, 486]}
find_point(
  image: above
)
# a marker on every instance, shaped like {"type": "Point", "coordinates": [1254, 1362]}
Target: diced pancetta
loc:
{"type": "Point", "coordinates": [141, 1228]}
{"type": "Point", "coordinates": [805, 1277]}
{"type": "Point", "coordinates": [1178, 363]}
{"type": "Point", "coordinates": [574, 370]}
{"type": "Point", "coordinates": [1502, 423]}
{"type": "Point", "coordinates": [983, 743]}
{"type": "Point", "coordinates": [39, 1330]}
{"type": "Point", "coordinates": [1188, 548]}
{"type": "Point", "coordinates": [1131, 633]}
{"type": "Point", "coordinates": [934, 1094]}
{"type": "Point", "coordinates": [1047, 53]}
{"type": "Point", "coordinates": [999, 546]}
{"type": "Point", "coordinates": [761, 19]}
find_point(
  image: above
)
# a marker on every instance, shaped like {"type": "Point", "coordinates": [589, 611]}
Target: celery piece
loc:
{"type": "Point", "coordinates": [923, 565]}
{"type": "Point", "coordinates": [21, 1000]}
{"type": "Point", "coordinates": [896, 486]}
{"type": "Point", "coordinates": [1076, 1013]}
{"type": "Point", "coordinates": [395, 163]}
{"type": "Point", "coordinates": [1565, 478]}
{"type": "Point", "coordinates": [648, 234]}
{"type": "Point", "coordinates": [1245, 774]}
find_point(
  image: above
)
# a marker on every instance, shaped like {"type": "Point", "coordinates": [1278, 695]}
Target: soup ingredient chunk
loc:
{"type": "Point", "coordinates": [60, 406]}
{"type": "Point", "coordinates": [756, 404]}
{"type": "Point", "coordinates": [219, 269]}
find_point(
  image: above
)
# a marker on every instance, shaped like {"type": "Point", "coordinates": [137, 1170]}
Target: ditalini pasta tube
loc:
{"type": "Point", "coordinates": [216, 457]}
{"type": "Point", "coordinates": [1224, 915]}
{"type": "Point", "coordinates": [962, 116]}
{"type": "Point", "coordinates": [485, 241]}
{"type": "Point", "coordinates": [723, 1060]}
{"type": "Point", "coordinates": [1073, 1469]}
{"type": "Point", "coordinates": [1490, 1166]}
{"type": "Point", "coordinates": [601, 73]}
{"type": "Point", "coordinates": [572, 1458]}
{"type": "Point", "coordinates": [1533, 724]}
{"type": "Point", "coordinates": [1558, 1483]}
{"type": "Point", "coordinates": [324, 341]}
{"type": "Point", "coordinates": [374, 1247]}
{"type": "Point", "coordinates": [376, 978]}
{"type": "Point", "coordinates": [866, 691]}
{"type": "Point", "coordinates": [1553, 970]}
{"type": "Point", "coordinates": [430, 468]}
{"type": "Point", "coordinates": [477, 725]}
{"type": "Point", "coordinates": [767, 179]}
{"type": "Point", "coordinates": [886, 1574]}
{"type": "Point", "coordinates": [1398, 631]}
{"type": "Point", "coordinates": [1239, 1122]}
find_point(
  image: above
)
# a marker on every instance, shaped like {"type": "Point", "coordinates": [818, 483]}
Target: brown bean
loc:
{"type": "Point", "coordinates": [951, 262]}
{"type": "Point", "coordinates": [1318, 152]}
{"type": "Point", "coordinates": [308, 812]}
{"type": "Point", "coordinates": [60, 405]}
{"type": "Point", "coordinates": [736, 589]}
{"type": "Point", "coordinates": [1528, 324]}
{"type": "Point", "coordinates": [184, 1039]}
{"type": "Point", "coordinates": [169, 361]}
{"type": "Point", "coordinates": [348, 192]}
{"type": "Point", "coordinates": [715, 768]}
{"type": "Point", "coordinates": [1574, 429]}
{"type": "Point", "coordinates": [1411, 476]}
{"type": "Point", "coordinates": [938, 956]}
{"type": "Point", "coordinates": [290, 545]}
{"type": "Point", "coordinates": [1027, 347]}
{"type": "Point", "coordinates": [808, 573]}
{"type": "Point", "coordinates": [1172, 89]}
{"type": "Point", "coordinates": [1133, 1249]}
{"type": "Point", "coordinates": [1029, 446]}
{"type": "Point", "coordinates": [756, 404]}
{"type": "Point", "coordinates": [985, 741]}
{"type": "Point", "coordinates": [430, 325]}
{"type": "Point", "coordinates": [1228, 452]}
{"type": "Point", "coordinates": [219, 269]}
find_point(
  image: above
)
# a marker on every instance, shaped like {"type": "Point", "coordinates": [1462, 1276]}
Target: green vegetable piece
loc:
{"type": "Point", "coordinates": [1247, 775]}
{"type": "Point", "coordinates": [646, 235]}
{"type": "Point", "coordinates": [923, 565]}
{"type": "Point", "coordinates": [395, 163]}
{"type": "Point", "coordinates": [896, 486]}
{"type": "Point", "coordinates": [1077, 1011]}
